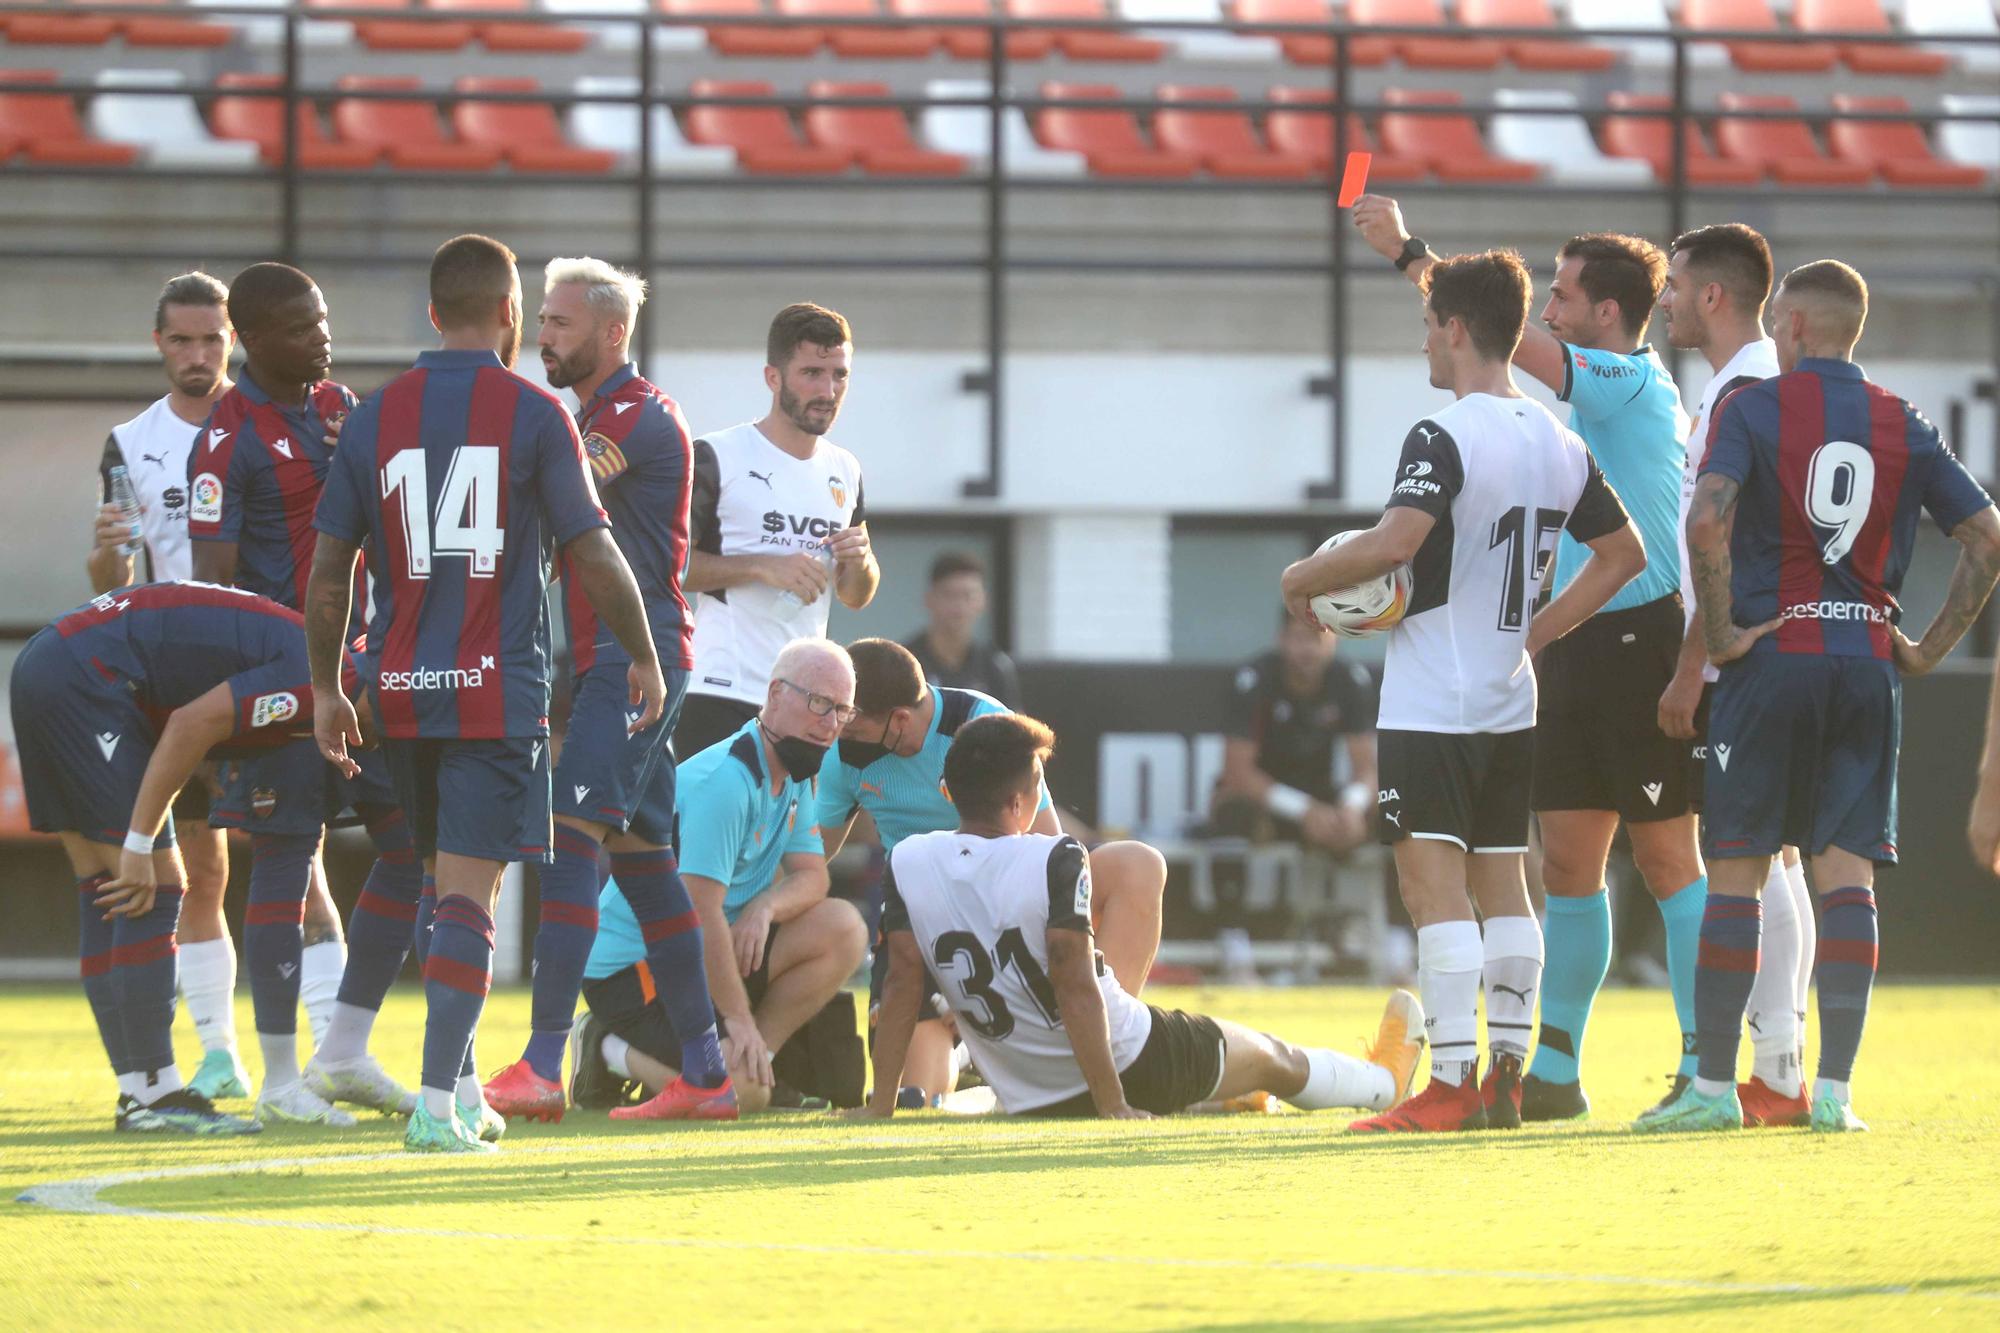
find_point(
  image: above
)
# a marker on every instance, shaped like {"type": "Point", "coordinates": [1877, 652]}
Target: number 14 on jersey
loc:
{"type": "Point", "coordinates": [467, 521]}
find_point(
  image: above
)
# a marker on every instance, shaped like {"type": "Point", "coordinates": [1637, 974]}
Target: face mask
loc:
{"type": "Point", "coordinates": [860, 753]}
{"type": "Point", "coordinates": [800, 756]}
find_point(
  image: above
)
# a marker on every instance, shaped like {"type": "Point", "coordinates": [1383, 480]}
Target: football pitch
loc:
{"type": "Point", "coordinates": [930, 1221]}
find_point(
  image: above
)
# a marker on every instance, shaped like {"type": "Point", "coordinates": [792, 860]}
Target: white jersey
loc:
{"type": "Point", "coordinates": [981, 909]}
{"type": "Point", "coordinates": [154, 447]}
{"type": "Point", "coordinates": [1503, 478]}
{"type": "Point", "coordinates": [1753, 361]}
{"type": "Point", "coordinates": [753, 498]}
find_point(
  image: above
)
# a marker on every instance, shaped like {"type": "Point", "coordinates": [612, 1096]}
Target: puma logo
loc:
{"type": "Point", "coordinates": [157, 460]}
{"type": "Point", "coordinates": [1427, 433]}
{"type": "Point", "coordinates": [763, 477]}
{"type": "Point", "coordinates": [1521, 995]}
{"type": "Point", "coordinates": [1394, 817]}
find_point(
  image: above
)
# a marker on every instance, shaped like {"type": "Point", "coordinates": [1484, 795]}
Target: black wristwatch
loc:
{"type": "Point", "coordinates": [1413, 249]}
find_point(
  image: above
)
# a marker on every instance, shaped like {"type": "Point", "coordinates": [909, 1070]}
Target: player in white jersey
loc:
{"type": "Point", "coordinates": [1482, 491]}
{"type": "Point", "coordinates": [192, 332]}
{"type": "Point", "coordinates": [1001, 917]}
{"type": "Point", "coordinates": [1717, 284]}
{"type": "Point", "coordinates": [777, 524]}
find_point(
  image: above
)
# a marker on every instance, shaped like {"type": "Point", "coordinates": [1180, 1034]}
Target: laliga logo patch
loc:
{"type": "Point", "coordinates": [838, 489]}
{"type": "Point", "coordinates": [1083, 890]}
{"type": "Point", "coordinates": [207, 507]}
{"type": "Point", "coordinates": [272, 708]}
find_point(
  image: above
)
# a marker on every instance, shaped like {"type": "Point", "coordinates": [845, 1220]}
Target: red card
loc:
{"type": "Point", "coordinates": [1354, 179]}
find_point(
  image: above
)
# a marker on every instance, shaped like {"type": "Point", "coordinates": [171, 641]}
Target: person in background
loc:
{"type": "Point", "coordinates": [950, 656]}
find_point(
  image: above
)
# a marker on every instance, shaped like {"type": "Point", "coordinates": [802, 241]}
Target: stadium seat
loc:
{"type": "Point", "coordinates": [44, 127]}
{"type": "Point", "coordinates": [1426, 52]}
{"type": "Point", "coordinates": [967, 131]}
{"type": "Point", "coordinates": [1867, 16]}
{"type": "Point", "coordinates": [1530, 53]}
{"type": "Point", "coordinates": [406, 130]}
{"type": "Point", "coordinates": [1449, 145]}
{"type": "Point", "coordinates": [260, 120]}
{"type": "Point", "coordinates": [1308, 134]}
{"type": "Point", "coordinates": [58, 28]}
{"type": "Point", "coordinates": [270, 32]}
{"type": "Point", "coordinates": [1560, 144]}
{"type": "Point", "coordinates": [1897, 151]}
{"type": "Point", "coordinates": [526, 133]}
{"type": "Point", "coordinates": [545, 38]}
{"type": "Point", "coordinates": [1222, 139]}
{"type": "Point", "coordinates": [1085, 45]}
{"type": "Point", "coordinates": [1938, 19]}
{"type": "Point", "coordinates": [1638, 17]}
{"type": "Point", "coordinates": [1307, 48]}
{"type": "Point", "coordinates": [1650, 139]}
{"type": "Point", "coordinates": [968, 43]}
{"type": "Point", "coordinates": [614, 128]}
{"type": "Point", "coordinates": [877, 136]}
{"type": "Point", "coordinates": [1109, 139]}
{"type": "Point", "coordinates": [865, 43]}
{"type": "Point", "coordinates": [763, 136]}
{"type": "Point", "coordinates": [148, 30]}
{"type": "Point", "coordinates": [742, 41]}
{"type": "Point", "coordinates": [1784, 148]}
{"type": "Point", "coordinates": [1213, 42]}
{"type": "Point", "coordinates": [167, 128]}
{"type": "Point", "coordinates": [1973, 142]}
{"type": "Point", "coordinates": [1758, 57]}
{"type": "Point", "coordinates": [401, 34]}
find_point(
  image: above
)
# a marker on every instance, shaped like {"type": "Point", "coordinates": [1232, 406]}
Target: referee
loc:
{"type": "Point", "coordinates": [1600, 755]}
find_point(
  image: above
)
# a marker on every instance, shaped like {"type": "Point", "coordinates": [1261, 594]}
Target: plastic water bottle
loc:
{"type": "Point", "coordinates": [789, 602]}
{"type": "Point", "coordinates": [127, 501]}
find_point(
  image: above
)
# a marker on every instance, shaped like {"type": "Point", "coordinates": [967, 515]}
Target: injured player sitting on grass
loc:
{"type": "Point", "coordinates": [1001, 917]}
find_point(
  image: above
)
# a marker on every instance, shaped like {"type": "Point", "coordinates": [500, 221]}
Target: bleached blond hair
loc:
{"type": "Point", "coordinates": [608, 290]}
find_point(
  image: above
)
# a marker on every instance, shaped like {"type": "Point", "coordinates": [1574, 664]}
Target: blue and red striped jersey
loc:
{"type": "Point", "coordinates": [640, 455]}
{"type": "Point", "coordinates": [460, 477]}
{"type": "Point", "coordinates": [254, 478]}
{"type": "Point", "coordinates": [1833, 471]}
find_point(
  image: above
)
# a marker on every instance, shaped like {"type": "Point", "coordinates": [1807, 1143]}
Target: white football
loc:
{"type": "Point", "coordinates": [1366, 609]}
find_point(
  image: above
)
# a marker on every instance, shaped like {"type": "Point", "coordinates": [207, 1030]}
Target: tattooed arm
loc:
{"type": "Point", "coordinates": [1711, 518]}
{"type": "Point", "coordinates": [329, 603]}
{"type": "Point", "coordinates": [1972, 581]}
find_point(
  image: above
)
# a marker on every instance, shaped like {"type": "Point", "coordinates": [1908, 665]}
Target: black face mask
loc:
{"type": "Point", "coordinates": [800, 756]}
{"type": "Point", "coordinates": [859, 753]}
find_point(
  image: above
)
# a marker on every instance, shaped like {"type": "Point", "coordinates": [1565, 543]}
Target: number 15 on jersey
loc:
{"type": "Point", "coordinates": [467, 521]}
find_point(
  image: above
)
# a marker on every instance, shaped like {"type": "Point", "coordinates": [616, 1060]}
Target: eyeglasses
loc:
{"type": "Point", "coordinates": [821, 705]}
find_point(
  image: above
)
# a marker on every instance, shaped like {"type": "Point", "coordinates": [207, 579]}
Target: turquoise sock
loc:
{"type": "Point", "coordinates": [1577, 951]}
{"type": "Point", "coordinates": [1682, 913]}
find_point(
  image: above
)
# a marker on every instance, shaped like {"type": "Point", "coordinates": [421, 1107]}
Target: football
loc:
{"type": "Point", "coordinates": [1366, 609]}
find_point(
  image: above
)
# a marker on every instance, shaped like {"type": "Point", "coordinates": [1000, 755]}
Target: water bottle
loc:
{"type": "Point", "coordinates": [789, 603]}
{"type": "Point", "coordinates": [127, 501]}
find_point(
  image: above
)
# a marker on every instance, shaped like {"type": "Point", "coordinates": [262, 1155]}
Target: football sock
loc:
{"type": "Point", "coordinates": [1449, 957]}
{"type": "Point", "coordinates": [273, 927]}
{"type": "Point", "coordinates": [1724, 972]}
{"type": "Point", "coordinates": [208, 985]}
{"type": "Point", "coordinates": [456, 978]}
{"type": "Point", "coordinates": [1774, 1022]}
{"type": "Point", "coordinates": [427, 905]}
{"type": "Point", "coordinates": [1808, 947]}
{"type": "Point", "coordinates": [562, 946]}
{"type": "Point", "coordinates": [281, 1057]}
{"type": "Point", "coordinates": [100, 985]}
{"type": "Point", "coordinates": [1681, 912]}
{"type": "Point", "coordinates": [1513, 973]}
{"type": "Point", "coordinates": [142, 960]}
{"type": "Point", "coordinates": [380, 928]}
{"type": "Point", "coordinates": [651, 883]}
{"type": "Point", "coordinates": [1334, 1079]}
{"type": "Point", "coordinates": [615, 1048]}
{"type": "Point", "coordinates": [149, 1085]}
{"type": "Point", "coordinates": [1847, 951]}
{"type": "Point", "coordinates": [1578, 950]}
{"type": "Point", "coordinates": [468, 1091]}
{"type": "Point", "coordinates": [320, 968]}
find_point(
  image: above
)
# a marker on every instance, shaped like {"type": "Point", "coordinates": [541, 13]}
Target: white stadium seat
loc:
{"type": "Point", "coordinates": [1561, 145]}
{"type": "Point", "coordinates": [1642, 16]}
{"type": "Point", "coordinates": [1938, 18]}
{"type": "Point", "coordinates": [271, 31]}
{"type": "Point", "coordinates": [1218, 44]}
{"type": "Point", "coordinates": [167, 130]}
{"type": "Point", "coordinates": [965, 130]}
{"type": "Point", "coordinates": [1974, 143]}
{"type": "Point", "coordinates": [623, 36]}
{"type": "Point", "coordinates": [614, 127]}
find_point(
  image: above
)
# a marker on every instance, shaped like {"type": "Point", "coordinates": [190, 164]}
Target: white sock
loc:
{"type": "Point", "coordinates": [149, 1087]}
{"type": "Point", "coordinates": [320, 966]}
{"type": "Point", "coordinates": [438, 1102]}
{"type": "Point", "coordinates": [1826, 1087]}
{"type": "Point", "coordinates": [470, 1094]}
{"type": "Point", "coordinates": [1334, 1079]}
{"type": "Point", "coordinates": [208, 984]}
{"type": "Point", "coordinates": [1773, 1019]}
{"type": "Point", "coordinates": [132, 1085]}
{"type": "Point", "coordinates": [1449, 957]}
{"type": "Point", "coordinates": [615, 1049]}
{"type": "Point", "coordinates": [1513, 973]}
{"type": "Point", "coordinates": [1808, 948]}
{"type": "Point", "coordinates": [281, 1058]}
{"type": "Point", "coordinates": [1708, 1087]}
{"type": "Point", "coordinates": [346, 1035]}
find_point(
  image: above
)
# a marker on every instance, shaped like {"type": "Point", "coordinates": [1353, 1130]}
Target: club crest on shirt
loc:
{"type": "Point", "coordinates": [263, 802]}
{"type": "Point", "coordinates": [838, 489]}
{"type": "Point", "coordinates": [606, 458]}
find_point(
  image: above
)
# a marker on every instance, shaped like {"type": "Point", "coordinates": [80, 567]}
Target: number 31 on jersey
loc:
{"type": "Point", "coordinates": [467, 522]}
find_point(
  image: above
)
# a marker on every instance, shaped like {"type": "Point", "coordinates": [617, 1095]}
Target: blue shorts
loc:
{"type": "Point", "coordinates": [295, 792]}
{"type": "Point", "coordinates": [83, 744]}
{"type": "Point", "coordinates": [609, 776]}
{"type": "Point", "coordinates": [1802, 750]}
{"type": "Point", "coordinates": [487, 799]}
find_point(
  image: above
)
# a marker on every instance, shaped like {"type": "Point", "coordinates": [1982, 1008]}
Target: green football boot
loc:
{"type": "Point", "coordinates": [1692, 1113]}
{"type": "Point", "coordinates": [428, 1133]}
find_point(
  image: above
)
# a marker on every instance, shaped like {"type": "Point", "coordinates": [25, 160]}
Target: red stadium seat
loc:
{"type": "Point", "coordinates": [1651, 139]}
{"type": "Point", "coordinates": [762, 136]}
{"type": "Point", "coordinates": [1305, 48]}
{"type": "Point", "coordinates": [401, 34]}
{"type": "Point", "coordinates": [1222, 139]}
{"type": "Point", "coordinates": [1897, 151]}
{"type": "Point", "coordinates": [526, 133]}
{"type": "Point", "coordinates": [1308, 134]}
{"type": "Point", "coordinates": [1426, 52]}
{"type": "Point", "coordinates": [58, 29]}
{"type": "Point", "coordinates": [1451, 146]}
{"type": "Point", "coordinates": [44, 126]}
{"type": "Point", "coordinates": [533, 37]}
{"type": "Point", "coordinates": [1762, 57]}
{"type": "Point", "coordinates": [1867, 16]}
{"type": "Point", "coordinates": [967, 44]}
{"type": "Point", "coordinates": [1081, 45]}
{"type": "Point", "coordinates": [740, 41]}
{"type": "Point", "coordinates": [1784, 148]}
{"type": "Point", "coordinates": [1109, 139]}
{"type": "Point", "coordinates": [864, 43]}
{"type": "Point", "coordinates": [1529, 53]}
{"type": "Point", "coordinates": [405, 130]}
{"type": "Point", "coordinates": [261, 120]}
{"type": "Point", "coordinates": [145, 30]}
{"type": "Point", "coordinates": [878, 136]}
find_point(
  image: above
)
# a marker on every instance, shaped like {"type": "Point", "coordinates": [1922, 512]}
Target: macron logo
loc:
{"type": "Point", "coordinates": [217, 436]}
{"type": "Point", "coordinates": [107, 741]}
{"type": "Point", "coordinates": [581, 792]}
{"type": "Point", "coordinates": [1722, 756]}
{"type": "Point", "coordinates": [283, 448]}
{"type": "Point", "coordinates": [1652, 790]}
{"type": "Point", "coordinates": [622, 408]}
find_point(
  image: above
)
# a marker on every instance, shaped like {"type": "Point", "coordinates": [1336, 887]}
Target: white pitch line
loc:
{"type": "Point", "coordinates": [84, 1196]}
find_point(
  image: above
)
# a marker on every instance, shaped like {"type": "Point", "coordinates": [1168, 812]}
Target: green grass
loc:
{"type": "Point", "coordinates": [931, 1221]}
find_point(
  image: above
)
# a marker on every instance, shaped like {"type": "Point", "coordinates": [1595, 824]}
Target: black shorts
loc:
{"type": "Point", "coordinates": [1470, 788]}
{"type": "Point", "coordinates": [191, 806]}
{"type": "Point", "coordinates": [706, 719]}
{"type": "Point", "coordinates": [1698, 749]}
{"type": "Point", "coordinates": [627, 1002]}
{"type": "Point", "coordinates": [1180, 1064]}
{"type": "Point", "coordinates": [1598, 743]}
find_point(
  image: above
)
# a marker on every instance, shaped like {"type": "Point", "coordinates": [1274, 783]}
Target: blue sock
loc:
{"type": "Point", "coordinates": [427, 906]}
{"type": "Point", "coordinates": [274, 926]}
{"type": "Point", "coordinates": [1732, 931]}
{"type": "Point", "coordinates": [380, 930]}
{"type": "Point", "coordinates": [142, 953]}
{"type": "Point", "coordinates": [1682, 913]}
{"type": "Point", "coordinates": [100, 986]}
{"type": "Point", "coordinates": [1846, 976]}
{"type": "Point", "coordinates": [456, 978]}
{"type": "Point", "coordinates": [651, 882]}
{"type": "Point", "coordinates": [562, 946]}
{"type": "Point", "coordinates": [1576, 943]}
